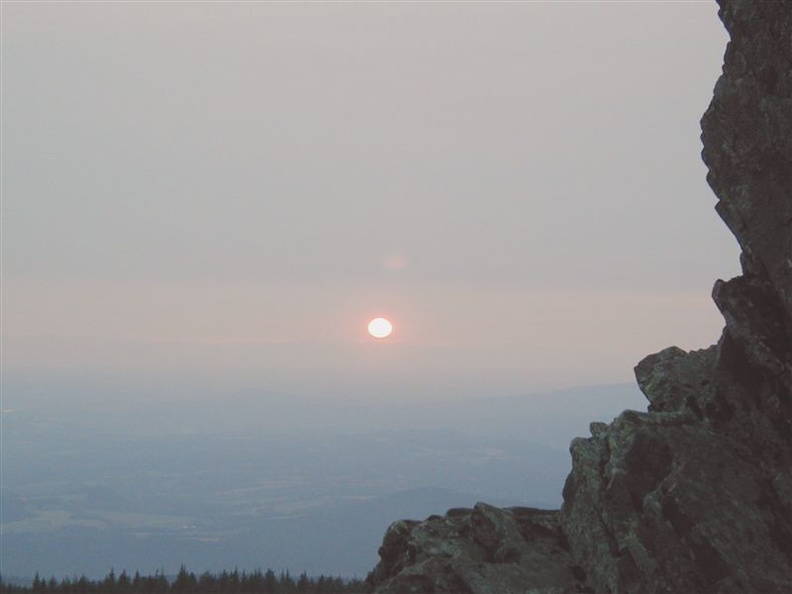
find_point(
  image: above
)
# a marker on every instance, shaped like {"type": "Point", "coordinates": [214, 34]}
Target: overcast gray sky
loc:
{"type": "Point", "coordinates": [229, 191]}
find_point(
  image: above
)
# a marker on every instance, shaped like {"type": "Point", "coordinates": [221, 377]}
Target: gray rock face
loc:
{"type": "Point", "coordinates": [695, 495]}
{"type": "Point", "coordinates": [748, 147]}
{"type": "Point", "coordinates": [485, 550]}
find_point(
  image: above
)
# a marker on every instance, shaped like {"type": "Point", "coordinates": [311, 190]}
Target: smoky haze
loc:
{"type": "Point", "coordinates": [233, 190]}
{"type": "Point", "coordinates": [276, 480]}
{"type": "Point", "coordinates": [204, 203]}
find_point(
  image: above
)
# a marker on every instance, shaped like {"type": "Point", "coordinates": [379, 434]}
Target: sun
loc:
{"type": "Point", "coordinates": [380, 328]}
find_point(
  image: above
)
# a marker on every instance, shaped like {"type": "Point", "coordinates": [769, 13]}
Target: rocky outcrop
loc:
{"type": "Point", "coordinates": [694, 495]}
{"type": "Point", "coordinates": [485, 549]}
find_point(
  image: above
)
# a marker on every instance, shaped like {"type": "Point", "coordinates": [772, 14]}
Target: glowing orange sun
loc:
{"type": "Point", "coordinates": [380, 328]}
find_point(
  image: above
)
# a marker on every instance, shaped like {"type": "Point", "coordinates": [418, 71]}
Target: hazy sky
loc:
{"type": "Point", "coordinates": [225, 193]}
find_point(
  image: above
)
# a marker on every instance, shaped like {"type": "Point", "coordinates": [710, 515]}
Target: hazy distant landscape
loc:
{"type": "Point", "coordinates": [276, 481]}
{"type": "Point", "coordinates": [205, 203]}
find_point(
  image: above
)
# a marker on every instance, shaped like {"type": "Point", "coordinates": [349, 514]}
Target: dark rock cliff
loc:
{"type": "Point", "coordinates": [694, 495]}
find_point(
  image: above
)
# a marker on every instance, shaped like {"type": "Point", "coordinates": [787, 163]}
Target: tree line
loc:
{"type": "Point", "coordinates": [186, 582]}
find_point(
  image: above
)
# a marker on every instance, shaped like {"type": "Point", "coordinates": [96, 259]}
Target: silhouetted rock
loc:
{"type": "Point", "coordinates": [695, 495]}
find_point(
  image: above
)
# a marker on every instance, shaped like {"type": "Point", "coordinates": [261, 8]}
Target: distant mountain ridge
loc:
{"type": "Point", "coordinates": [86, 491]}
